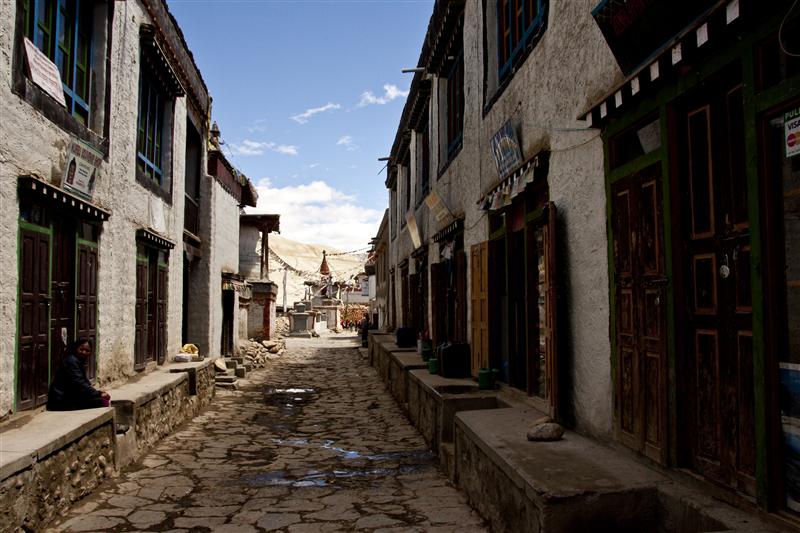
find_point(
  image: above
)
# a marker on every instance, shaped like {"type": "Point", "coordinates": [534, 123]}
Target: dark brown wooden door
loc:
{"type": "Point", "coordinates": [62, 308]}
{"type": "Point", "coordinates": [161, 314]}
{"type": "Point", "coordinates": [459, 324]}
{"type": "Point", "coordinates": [227, 323]}
{"type": "Point", "coordinates": [439, 290]}
{"type": "Point", "coordinates": [640, 318]}
{"type": "Point", "coordinates": [140, 349]}
{"type": "Point", "coordinates": [716, 377]}
{"type": "Point", "coordinates": [550, 323]}
{"type": "Point", "coordinates": [86, 301]}
{"type": "Point", "coordinates": [34, 309]}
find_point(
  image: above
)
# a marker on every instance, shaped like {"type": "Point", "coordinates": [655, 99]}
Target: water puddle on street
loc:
{"type": "Point", "coordinates": [283, 419]}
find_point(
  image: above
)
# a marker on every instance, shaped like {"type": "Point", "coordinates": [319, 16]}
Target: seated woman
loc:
{"type": "Point", "coordinates": [71, 388]}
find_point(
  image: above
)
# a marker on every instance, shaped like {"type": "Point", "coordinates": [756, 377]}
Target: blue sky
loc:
{"type": "Point", "coordinates": [308, 94]}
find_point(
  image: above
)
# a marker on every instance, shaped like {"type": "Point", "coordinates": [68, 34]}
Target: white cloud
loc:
{"type": "Point", "coordinates": [248, 147]}
{"type": "Point", "coordinates": [306, 115]}
{"type": "Point", "coordinates": [347, 142]}
{"type": "Point", "coordinates": [258, 126]}
{"type": "Point", "coordinates": [316, 213]}
{"type": "Point", "coordinates": [313, 165]}
{"type": "Point", "coordinates": [390, 92]}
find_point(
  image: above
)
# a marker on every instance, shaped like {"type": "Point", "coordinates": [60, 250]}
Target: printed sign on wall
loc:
{"type": "Point", "coordinates": [791, 127]}
{"type": "Point", "coordinates": [83, 168]}
{"type": "Point", "coordinates": [505, 150]}
{"type": "Point", "coordinates": [44, 72]}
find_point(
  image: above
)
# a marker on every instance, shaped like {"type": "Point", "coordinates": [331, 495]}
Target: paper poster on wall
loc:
{"type": "Point", "coordinates": [83, 168]}
{"type": "Point", "coordinates": [791, 128]}
{"type": "Point", "coordinates": [44, 72]}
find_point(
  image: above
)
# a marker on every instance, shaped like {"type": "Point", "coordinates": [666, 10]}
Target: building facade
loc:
{"type": "Point", "coordinates": [107, 194]}
{"type": "Point", "coordinates": [600, 199]}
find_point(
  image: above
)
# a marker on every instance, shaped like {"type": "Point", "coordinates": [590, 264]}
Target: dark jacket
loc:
{"type": "Point", "coordinates": [71, 388]}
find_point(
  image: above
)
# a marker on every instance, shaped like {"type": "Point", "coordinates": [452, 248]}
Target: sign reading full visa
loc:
{"type": "Point", "coordinates": [791, 129]}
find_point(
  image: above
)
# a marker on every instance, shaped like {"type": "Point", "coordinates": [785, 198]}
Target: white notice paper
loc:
{"type": "Point", "coordinates": [44, 72]}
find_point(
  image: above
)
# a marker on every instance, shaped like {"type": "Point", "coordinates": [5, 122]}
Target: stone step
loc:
{"type": "Point", "coordinates": [233, 385]}
{"type": "Point", "coordinates": [230, 363]}
{"type": "Point", "coordinates": [225, 379]}
{"type": "Point", "coordinates": [248, 366]}
{"type": "Point", "coordinates": [240, 371]}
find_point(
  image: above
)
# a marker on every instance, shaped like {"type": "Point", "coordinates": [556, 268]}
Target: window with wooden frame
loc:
{"type": "Point", "coordinates": [423, 159]}
{"type": "Point", "coordinates": [455, 105]}
{"type": "Point", "coordinates": [159, 86]}
{"type": "Point", "coordinates": [62, 30]}
{"type": "Point", "coordinates": [150, 131]}
{"type": "Point", "coordinates": [518, 24]}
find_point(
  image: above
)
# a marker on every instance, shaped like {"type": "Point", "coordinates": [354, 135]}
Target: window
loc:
{"type": "Point", "coordinates": [455, 105]}
{"type": "Point", "coordinates": [159, 86]}
{"type": "Point", "coordinates": [518, 22]}
{"type": "Point", "coordinates": [406, 168]}
{"type": "Point", "coordinates": [423, 157]}
{"type": "Point", "coordinates": [150, 135]}
{"type": "Point", "coordinates": [62, 30]}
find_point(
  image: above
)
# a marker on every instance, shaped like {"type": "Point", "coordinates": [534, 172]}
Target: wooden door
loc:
{"type": "Point", "coordinates": [140, 345]}
{"type": "Point", "coordinates": [640, 318]}
{"type": "Point", "coordinates": [62, 306]}
{"type": "Point", "coordinates": [439, 303]}
{"type": "Point", "coordinates": [459, 333]}
{"type": "Point", "coordinates": [34, 310]}
{"type": "Point", "coordinates": [161, 313]}
{"type": "Point", "coordinates": [227, 323]}
{"type": "Point", "coordinates": [517, 312]}
{"type": "Point", "coordinates": [86, 300]}
{"type": "Point", "coordinates": [479, 299]}
{"type": "Point", "coordinates": [550, 325]}
{"type": "Point", "coordinates": [716, 378]}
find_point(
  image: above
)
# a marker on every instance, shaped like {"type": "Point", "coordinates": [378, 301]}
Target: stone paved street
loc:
{"type": "Point", "coordinates": [312, 443]}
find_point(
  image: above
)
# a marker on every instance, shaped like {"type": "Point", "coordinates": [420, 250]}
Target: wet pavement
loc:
{"type": "Point", "coordinates": [311, 443]}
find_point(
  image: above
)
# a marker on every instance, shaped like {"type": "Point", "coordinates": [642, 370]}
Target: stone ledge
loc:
{"type": "Point", "coordinates": [46, 433]}
{"type": "Point", "coordinates": [577, 484]}
{"type": "Point", "coordinates": [147, 387]}
{"type": "Point", "coordinates": [567, 468]}
{"type": "Point", "coordinates": [191, 369]}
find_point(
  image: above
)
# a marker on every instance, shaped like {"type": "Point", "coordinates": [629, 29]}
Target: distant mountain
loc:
{"type": "Point", "coordinates": [302, 261]}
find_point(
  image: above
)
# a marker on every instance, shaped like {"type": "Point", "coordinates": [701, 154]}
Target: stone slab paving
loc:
{"type": "Point", "coordinates": [312, 443]}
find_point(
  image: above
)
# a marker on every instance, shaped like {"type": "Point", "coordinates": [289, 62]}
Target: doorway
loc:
{"type": "Point", "coordinates": [640, 319]}
{"type": "Point", "coordinates": [781, 207]}
{"type": "Point", "coordinates": [714, 304]}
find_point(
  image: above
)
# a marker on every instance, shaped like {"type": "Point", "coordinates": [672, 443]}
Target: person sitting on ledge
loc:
{"type": "Point", "coordinates": [71, 389]}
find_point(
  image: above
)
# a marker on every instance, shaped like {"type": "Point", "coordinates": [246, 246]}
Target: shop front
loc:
{"type": "Point", "coordinates": [703, 192]}
{"type": "Point", "coordinates": [58, 259]}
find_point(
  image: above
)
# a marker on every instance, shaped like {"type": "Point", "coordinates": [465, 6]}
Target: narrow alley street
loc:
{"type": "Point", "coordinates": [311, 443]}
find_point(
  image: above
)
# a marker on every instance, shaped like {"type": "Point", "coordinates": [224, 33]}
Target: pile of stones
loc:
{"type": "Point", "coordinates": [259, 352]}
{"type": "Point", "coordinates": [282, 328]}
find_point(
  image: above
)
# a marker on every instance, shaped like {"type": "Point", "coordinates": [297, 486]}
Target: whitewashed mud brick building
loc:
{"type": "Point", "coordinates": [116, 223]}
